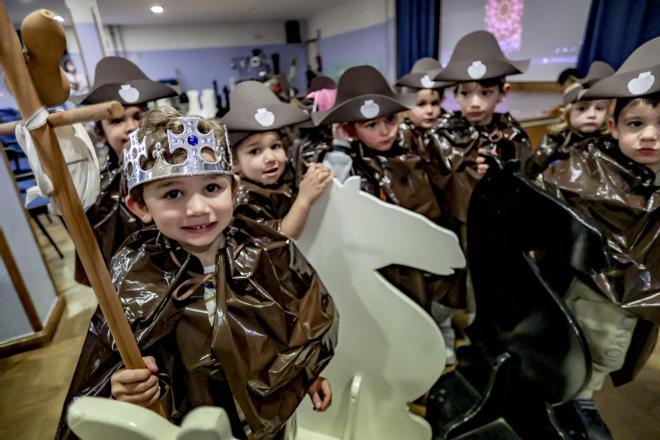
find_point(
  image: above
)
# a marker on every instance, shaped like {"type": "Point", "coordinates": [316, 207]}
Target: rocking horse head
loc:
{"type": "Point", "coordinates": [380, 233]}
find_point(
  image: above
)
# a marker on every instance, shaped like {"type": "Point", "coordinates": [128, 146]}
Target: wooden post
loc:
{"type": "Point", "coordinates": [20, 83]}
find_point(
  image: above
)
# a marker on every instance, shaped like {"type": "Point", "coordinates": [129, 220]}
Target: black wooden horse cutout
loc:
{"type": "Point", "coordinates": [527, 353]}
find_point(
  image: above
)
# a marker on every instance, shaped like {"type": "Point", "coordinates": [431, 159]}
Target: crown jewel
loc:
{"type": "Point", "coordinates": [192, 141]}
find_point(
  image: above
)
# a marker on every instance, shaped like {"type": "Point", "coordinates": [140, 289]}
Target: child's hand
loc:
{"type": "Point", "coordinates": [137, 386]}
{"type": "Point", "coordinates": [320, 393]}
{"type": "Point", "coordinates": [482, 166]}
{"type": "Point", "coordinates": [316, 179]}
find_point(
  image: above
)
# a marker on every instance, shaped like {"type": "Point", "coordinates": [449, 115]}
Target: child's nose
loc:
{"type": "Point", "coordinates": [132, 125]}
{"type": "Point", "coordinates": [650, 132]}
{"type": "Point", "coordinates": [197, 206]}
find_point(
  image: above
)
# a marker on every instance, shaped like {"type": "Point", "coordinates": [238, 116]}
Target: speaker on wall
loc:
{"type": "Point", "coordinates": [292, 29]}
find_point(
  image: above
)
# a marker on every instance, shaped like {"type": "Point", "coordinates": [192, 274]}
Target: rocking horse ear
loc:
{"type": "Point", "coordinates": [352, 184]}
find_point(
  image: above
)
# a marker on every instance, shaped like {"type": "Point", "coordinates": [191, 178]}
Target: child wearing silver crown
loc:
{"type": "Point", "coordinates": [217, 326]}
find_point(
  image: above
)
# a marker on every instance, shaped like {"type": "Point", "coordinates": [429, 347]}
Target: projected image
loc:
{"type": "Point", "coordinates": [503, 18]}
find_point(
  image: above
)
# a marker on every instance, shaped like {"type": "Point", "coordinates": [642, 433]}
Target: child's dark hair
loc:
{"type": "Point", "coordinates": [621, 103]}
{"type": "Point", "coordinates": [499, 81]}
{"type": "Point", "coordinates": [154, 124]}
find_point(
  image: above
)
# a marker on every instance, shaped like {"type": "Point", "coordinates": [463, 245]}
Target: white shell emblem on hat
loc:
{"type": "Point", "coordinates": [369, 109]}
{"type": "Point", "coordinates": [641, 84]}
{"type": "Point", "coordinates": [477, 69]}
{"type": "Point", "coordinates": [264, 117]}
{"type": "Point", "coordinates": [427, 82]}
{"type": "Point", "coordinates": [129, 93]}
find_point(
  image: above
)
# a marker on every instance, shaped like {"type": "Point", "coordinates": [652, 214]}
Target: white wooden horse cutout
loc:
{"type": "Point", "coordinates": [94, 418]}
{"type": "Point", "coordinates": [390, 351]}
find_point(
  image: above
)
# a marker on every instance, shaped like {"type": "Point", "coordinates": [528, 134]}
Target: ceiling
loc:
{"type": "Point", "coordinates": [137, 12]}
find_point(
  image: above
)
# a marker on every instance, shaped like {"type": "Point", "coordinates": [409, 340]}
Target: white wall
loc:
{"type": "Point", "coordinates": [349, 16]}
{"type": "Point", "coordinates": [145, 38]}
{"type": "Point", "coordinates": [26, 253]}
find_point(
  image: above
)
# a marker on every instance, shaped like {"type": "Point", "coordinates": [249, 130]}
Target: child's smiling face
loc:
{"type": "Point", "coordinates": [637, 129]}
{"type": "Point", "coordinates": [261, 157]}
{"type": "Point", "coordinates": [192, 210]}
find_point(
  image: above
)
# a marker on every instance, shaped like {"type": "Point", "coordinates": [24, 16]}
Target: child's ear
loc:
{"type": "Point", "coordinates": [611, 126]}
{"type": "Point", "coordinates": [139, 209]}
{"type": "Point", "coordinates": [505, 91]}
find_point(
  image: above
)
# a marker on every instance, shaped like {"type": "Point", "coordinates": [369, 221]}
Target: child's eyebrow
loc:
{"type": "Point", "coordinates": [167, 183]}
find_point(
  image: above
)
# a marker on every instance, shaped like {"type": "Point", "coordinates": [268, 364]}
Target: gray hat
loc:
{"type": "Point", "coordinates": [420, 75]}
{"type": "Point", "coordinates": [476, 57]}
{"type": "Point", "coordinates": [363, 94]}
{"type": "Point", "coordinates": [117, 79]}
{"type": "Point", "coordinates": [638, 76]}
{"type": "Point", "coordinates": [254, 108]}
{"type": "Point", "coordinates": [597, 71]}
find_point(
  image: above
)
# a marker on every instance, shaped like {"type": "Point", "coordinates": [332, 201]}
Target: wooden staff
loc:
{"type": "Point", "coordinates": [96, 112]}
{"type": "Point", "coordinates": [20, 83]}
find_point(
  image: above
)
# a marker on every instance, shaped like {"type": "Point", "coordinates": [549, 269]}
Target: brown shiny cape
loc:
{"type": "Point", "coordinates": [267, 204]}
{"type": "Point", "coordinates": [556, 146]}
{"type": "Point", "coordinates": [398, 177]}
{"type": "Point", "coordinates": [450, 150]}
{"type": "Point", "coordinates": [111, 221]}
{"type": "Point", "coordinates": [618, 197]}
{"type": "Point", "coordinates": [274, 330]}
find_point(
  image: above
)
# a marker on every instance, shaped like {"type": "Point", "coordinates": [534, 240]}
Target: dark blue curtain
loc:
{"type": "Point", "coordinates": [417, 32]}
{"type": "Point", "coordinates": [616, 28]}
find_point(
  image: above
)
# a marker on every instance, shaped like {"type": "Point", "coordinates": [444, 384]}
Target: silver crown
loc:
{"type": "Point", "coordinates": [192, 141]}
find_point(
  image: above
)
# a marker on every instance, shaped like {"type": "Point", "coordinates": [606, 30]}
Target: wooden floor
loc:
{"type": "Point", "coordinates": [33, 384]}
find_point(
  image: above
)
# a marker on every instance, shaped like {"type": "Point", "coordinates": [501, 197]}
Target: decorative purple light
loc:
{"type": "Point", "coordinates": [503, 19]}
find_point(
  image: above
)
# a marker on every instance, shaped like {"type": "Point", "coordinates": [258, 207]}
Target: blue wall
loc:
{"type": "Point", "coordinates": [363, 46]}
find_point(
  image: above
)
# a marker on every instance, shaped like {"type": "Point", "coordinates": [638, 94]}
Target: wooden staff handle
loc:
{"type": "Point", "coordinates": [95, 112]}
{"type": "Point", "coordinates": [64, 193]}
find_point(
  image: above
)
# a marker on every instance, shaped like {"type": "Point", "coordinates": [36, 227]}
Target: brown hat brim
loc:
{"type": "Point", "coordinates": [244, 119]}
{"type": "Point", "coordinates": [633, 84]}
{"type": "Point", "coordinates": [147, 89]}
{"type": "Point", "coordinates": [352, 110]}
{"type": "Point", "coordinates": [416, 81]}
{"type": "Point", "coordinates": [470, 70]}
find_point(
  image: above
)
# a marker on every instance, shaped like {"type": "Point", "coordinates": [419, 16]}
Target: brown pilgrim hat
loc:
{"type": "Point", "coordinates": [363, 94]}
{"type": "Point", "coordinates": [476, 57]}
{"type": "Point", "coordinates": [638, 76]}
{"type": "Point", "coordinates": [597, 71]}
{"type": "Point", "coordinates": [117, 79]}
{"type": "Point", "coordinates": [420, 75]}
{"type": "Point", "coordinates": [254, 108]}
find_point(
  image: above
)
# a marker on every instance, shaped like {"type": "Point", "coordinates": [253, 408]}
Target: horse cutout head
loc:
{"type": "Point", "coordinates": [528, 353]}
{"type": "Point", "coordinates": [390, 351]}
{"type": "Point", "coordinates": [94, 418]}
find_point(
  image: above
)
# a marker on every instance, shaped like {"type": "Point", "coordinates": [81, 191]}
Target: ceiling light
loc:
{"type": "Point", "coordinates": [58, 18]}
{"type": "Point", "coordinates": [157, 9]}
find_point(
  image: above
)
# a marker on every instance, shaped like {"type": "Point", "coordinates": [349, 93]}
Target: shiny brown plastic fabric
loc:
{"type": "Point", "coordinates": [618, 197]}
{"type": "Point", "coordinates": [111, 221]}
{"type": "Point", "coordinates": [274, 330]}
{"type": "Point", "coordinates": [556, 146]}
{"type": "Point", "coordinates": [399, 177]}
{"type": "Point", "coordinates": [266, 204]}
{"type": "Point", "coordinates": [450, 150]}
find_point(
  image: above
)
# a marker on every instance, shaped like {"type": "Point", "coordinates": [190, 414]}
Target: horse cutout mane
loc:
{"type": "Point", "coordinates": [390, 351]}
